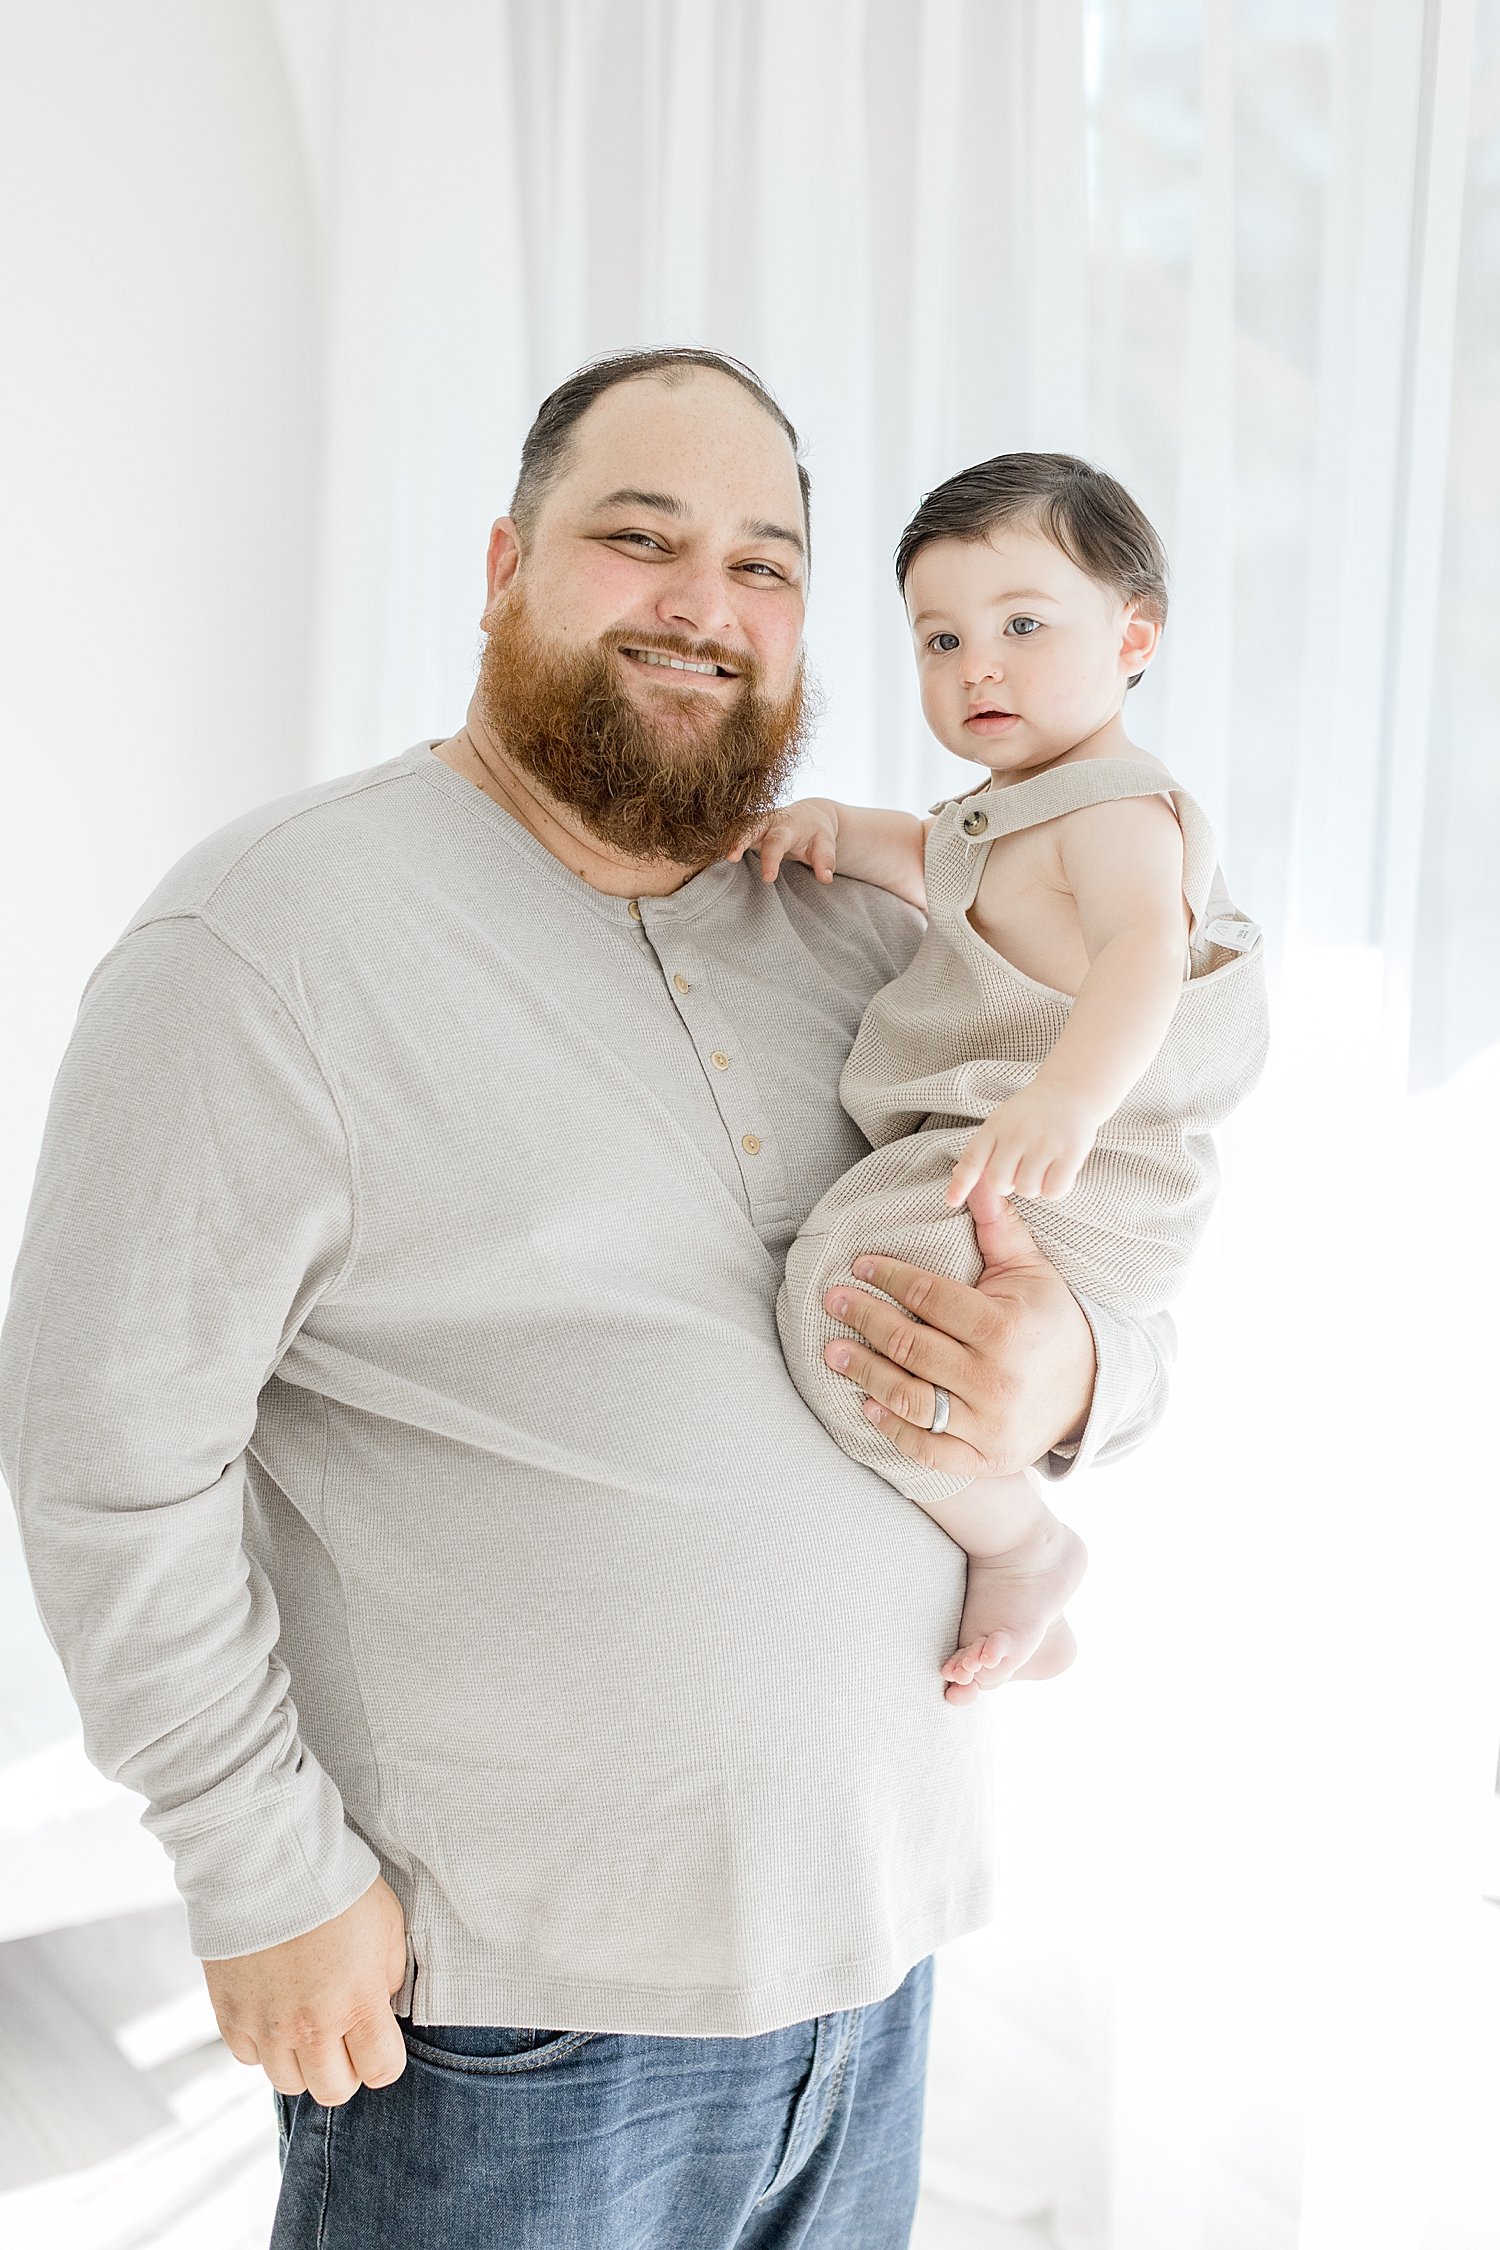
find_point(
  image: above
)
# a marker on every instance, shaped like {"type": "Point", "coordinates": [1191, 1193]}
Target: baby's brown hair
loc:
{"type": "Point", "coordinates": [1083, 510]}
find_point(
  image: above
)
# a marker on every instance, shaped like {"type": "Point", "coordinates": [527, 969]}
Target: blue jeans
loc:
{"type": "Point", "coordinates": [513, 2139]}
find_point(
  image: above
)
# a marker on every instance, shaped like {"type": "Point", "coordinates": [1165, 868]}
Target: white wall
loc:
{"type": "Point", "coordinates": [158, 408]}
{"type": "Point", "coordinates": [157, 457]}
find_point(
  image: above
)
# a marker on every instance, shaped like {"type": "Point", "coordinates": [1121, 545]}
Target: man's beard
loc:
{"type": "Point", "coordinates": [681, 787]}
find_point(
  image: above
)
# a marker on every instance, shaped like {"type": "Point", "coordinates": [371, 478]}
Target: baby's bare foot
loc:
{"type": "Point", "coordinates": [1012, 1617]}
{"type": "Point", "coordinates": [1058, 1649]}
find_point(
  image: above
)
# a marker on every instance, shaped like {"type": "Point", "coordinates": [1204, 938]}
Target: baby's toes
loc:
{"type": "Point", "coordinates": [976, 1656]}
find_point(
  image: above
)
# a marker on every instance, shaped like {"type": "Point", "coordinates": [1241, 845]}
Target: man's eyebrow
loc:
{"type": "Point", "coordinates": [661, 503]}
{"type": "Point", "coordinates": [759, 530]}
{"type": "Point", "coordinates": [1019, 594]}
{"type": "Point", "coordinates": [668, 504]}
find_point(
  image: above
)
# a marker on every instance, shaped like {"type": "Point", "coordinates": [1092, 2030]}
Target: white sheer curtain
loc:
{"type": "Point", "coordinates": [1241, 1992]}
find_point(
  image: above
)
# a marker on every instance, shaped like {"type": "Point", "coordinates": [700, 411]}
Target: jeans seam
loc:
{"type": "Point", "coordinates": [496, 2066]}
{"type": "Point", "coordinates": [777, 2183]}
{"type": "Point", "coordinates": [838, 2080]}
{"type": "Point", "coordinates": [327, 2176]}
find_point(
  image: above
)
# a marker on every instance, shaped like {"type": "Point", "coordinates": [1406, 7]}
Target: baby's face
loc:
{"type": "Point", "coordinates": [1020, 655]}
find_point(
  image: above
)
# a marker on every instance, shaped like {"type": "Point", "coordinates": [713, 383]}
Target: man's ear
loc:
{"type": "Point", "coordinates": [1138, 641]}
{"type": "Point", "coordinates": [502, 562]}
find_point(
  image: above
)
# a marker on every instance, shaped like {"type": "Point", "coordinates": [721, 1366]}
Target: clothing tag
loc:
{"type": "Point", "coordinates": [1231, 931]}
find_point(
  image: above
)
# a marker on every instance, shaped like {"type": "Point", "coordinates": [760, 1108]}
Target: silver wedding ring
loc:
{"type": "Point", "coordinates": [939, 1421]}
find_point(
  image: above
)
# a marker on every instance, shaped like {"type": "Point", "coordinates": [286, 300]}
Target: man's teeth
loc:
{"type": "Point", "coordinates": [673, 663]}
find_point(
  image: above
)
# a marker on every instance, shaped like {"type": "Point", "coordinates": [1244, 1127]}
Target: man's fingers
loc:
{"type": "Point", "coordinates": [288, 2079]}
{"type": "Point", "coordinates": [948, 1306]}
{"type": "Point", "coordinates": [952, 1455]}
{"type": "Point", "coordinates": [907, 1395]}
{"type": "Point", "coordinates": [327, 2072]}
{"type": "Point", "coordinates": [912, 1345]}
{"type": "Point", "coordinates": [240, 2045]}
{"type": "Point", "coordinates": [377, 2049]}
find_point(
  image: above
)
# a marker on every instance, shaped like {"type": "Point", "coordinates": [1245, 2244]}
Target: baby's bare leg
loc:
{"type": "Point", "coordinates": [1023, 1567]}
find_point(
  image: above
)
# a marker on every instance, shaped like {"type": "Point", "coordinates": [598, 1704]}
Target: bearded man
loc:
{"type": "Point", "coordinates": [407, 1469]}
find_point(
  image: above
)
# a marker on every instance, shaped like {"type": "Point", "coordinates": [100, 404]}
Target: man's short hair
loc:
{"type": "Point", "coordinates": [544, 455]}
{"type": "Point", "coordinates": [1083, 510]}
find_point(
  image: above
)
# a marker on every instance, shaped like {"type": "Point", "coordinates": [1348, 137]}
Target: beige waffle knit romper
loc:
{"type": "Point", "coordinates": [959, 1032]}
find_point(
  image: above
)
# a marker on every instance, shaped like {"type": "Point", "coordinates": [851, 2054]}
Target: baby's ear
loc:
{"type": "Point", "coordinates": [1138, 642]}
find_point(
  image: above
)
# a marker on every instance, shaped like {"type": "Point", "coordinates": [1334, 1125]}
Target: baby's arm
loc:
{"type": "Point", "coordinates": [872, 845]}
{"type": "Point", "coordinates": [1122, 862]}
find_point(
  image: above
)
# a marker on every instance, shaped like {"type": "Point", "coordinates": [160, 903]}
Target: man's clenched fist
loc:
{"type": "Point", "coordinates": [315, 2013]}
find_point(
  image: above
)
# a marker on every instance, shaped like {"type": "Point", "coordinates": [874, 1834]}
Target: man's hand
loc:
{"type": "Point", "coordinates": [315, 2013]}
{"type": "Point", "coordinates": [1014, 1353]}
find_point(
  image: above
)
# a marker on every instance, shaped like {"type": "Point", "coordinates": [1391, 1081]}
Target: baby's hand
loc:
{"type": "Point", "coordinates": [1034, 1144]}
{"type": "Point", "coordinates": [807, 830]}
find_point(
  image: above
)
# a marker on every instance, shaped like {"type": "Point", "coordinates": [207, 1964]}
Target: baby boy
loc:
{"type": "Point", "coordinates": [1086, 1005]}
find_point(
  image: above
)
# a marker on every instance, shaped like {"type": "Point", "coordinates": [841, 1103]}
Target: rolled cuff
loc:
{"type": "Point", "coordinates": [272, 1872]}
{"type": "Point", "coordinates": [1132, 1356]}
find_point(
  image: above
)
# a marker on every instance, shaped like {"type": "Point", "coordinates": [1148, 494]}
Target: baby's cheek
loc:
{"type": "Point", "coordinates": [938, 710]}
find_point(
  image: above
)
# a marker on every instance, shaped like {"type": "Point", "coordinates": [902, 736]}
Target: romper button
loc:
{"type": "Point", "coordinates": [681, 983]}
{"type": "Point", "coordinates": [751, 1144]}
{"type": "Point", "coordinates": [975, 823]}
{"type": "Point", "coordinates": [720, 1062]}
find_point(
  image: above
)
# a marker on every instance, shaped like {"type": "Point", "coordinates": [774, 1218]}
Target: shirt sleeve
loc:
{"type": "Point", "coordinates": [1133, 1355]}
{"type": "Point", "coordinates": [195, 1197]}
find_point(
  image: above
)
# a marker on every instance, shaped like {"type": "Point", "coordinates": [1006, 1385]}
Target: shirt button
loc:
{"type": "Point", "coordinates": [681, 983]}
{"type": "Point", "coordinates": [635, 910]}
{"type": "Point", "coordinates": [751, 1144]}
{"type": "Point", "coordinates": [719, 1061]}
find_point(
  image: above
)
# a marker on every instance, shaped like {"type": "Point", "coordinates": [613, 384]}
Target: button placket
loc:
{"type": "Point", "coordinates": [729, 1077]}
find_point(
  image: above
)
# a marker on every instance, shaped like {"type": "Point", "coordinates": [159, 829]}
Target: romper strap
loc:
{"type": "Point", "coordinates": [1003, 811]}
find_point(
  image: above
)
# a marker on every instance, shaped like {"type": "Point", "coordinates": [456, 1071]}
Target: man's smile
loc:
{"type": "Point", "coordinates": [660, 660]}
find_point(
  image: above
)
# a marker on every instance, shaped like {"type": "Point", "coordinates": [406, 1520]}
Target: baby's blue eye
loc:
{"type": "Point", "coordinates": [1031, 624]}
{"type": "Point", "coordinates": [938, 639]}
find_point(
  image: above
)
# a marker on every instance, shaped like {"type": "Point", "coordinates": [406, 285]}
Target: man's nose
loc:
{"type": "Point", "coordinates": [696, 600]}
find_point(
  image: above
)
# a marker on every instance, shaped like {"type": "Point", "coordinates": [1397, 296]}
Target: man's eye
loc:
{"type": "Point", "coordinates": [1029, 623]}
{"type": "Point", "coordinates": [937, 641]}
{"type": "Point", "coordinates": [769, 568]}
{"type": "Point", "coordinates": [621, 536]}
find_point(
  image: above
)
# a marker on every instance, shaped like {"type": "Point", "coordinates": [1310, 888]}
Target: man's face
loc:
{"type": "Point", "coordinates": [645, 631]}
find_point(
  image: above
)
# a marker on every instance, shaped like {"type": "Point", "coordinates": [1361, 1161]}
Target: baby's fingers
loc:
{"type": "Point", "coordinates": [823, 859]}
{"type": "Point", "coordinates": [773, 850]}
{"type": "Point", "coordinates": [982, 1159]}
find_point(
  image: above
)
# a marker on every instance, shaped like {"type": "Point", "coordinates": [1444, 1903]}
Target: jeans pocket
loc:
{"type": "Point", "coordinates": [489, 2050]}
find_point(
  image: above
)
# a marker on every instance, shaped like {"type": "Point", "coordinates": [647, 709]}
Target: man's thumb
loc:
{"type": "Point", "coordinates": [1005, 1241]}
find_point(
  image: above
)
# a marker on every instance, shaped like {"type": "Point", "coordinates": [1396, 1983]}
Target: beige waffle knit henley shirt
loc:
{"type": "Point", "coordinates": [408, 1472]}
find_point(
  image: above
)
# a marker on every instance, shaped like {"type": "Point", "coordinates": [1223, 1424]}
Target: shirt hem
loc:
{"type": "Point", "coordinates": [454, 1981]}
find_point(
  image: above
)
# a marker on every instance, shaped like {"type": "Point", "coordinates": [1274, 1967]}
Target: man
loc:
{"type": "Point", "coordinates": [408, 1472]}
